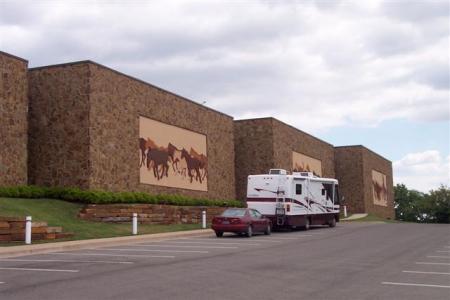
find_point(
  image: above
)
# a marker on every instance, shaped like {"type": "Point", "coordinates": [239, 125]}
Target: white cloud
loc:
{"type": "Point", "coordinates": [422, 171]}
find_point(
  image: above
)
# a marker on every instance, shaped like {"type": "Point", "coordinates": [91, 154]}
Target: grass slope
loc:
{"type": "Point", "coordinates": [62, 213]}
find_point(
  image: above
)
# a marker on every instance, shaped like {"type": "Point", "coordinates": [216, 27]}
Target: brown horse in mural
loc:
{"type": "Point", "coordinates": [171, 150]}
{"type": "Point", "coordinates": [380, 191]}
{"type": "Point", "coordinates": [192, 164]}
{"type": "Point", "coordinates": [143, 148]}
{"type": "Point", "coordinates": [203, 161]}
{"type": "Point", "coordinates": [159, 158]}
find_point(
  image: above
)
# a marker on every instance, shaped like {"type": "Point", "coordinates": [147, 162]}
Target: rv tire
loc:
{"type": "Point", "coordinates": [332, 223]}
{"type": "Point", "coordinates": [249, 231]}
{"type": "Point", "coordinates": [219, 233]}
{"type": "Point", "coordinates": [307, 224]}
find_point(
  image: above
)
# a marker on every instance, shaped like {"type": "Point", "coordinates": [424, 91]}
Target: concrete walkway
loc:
{"type": "Point", "coordinates": [14, 251]}
{"type": "Point", "coordinates": [355, 217]}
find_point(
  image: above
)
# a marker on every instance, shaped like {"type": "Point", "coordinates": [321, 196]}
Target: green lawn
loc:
{"type": "Point", "coordinates": [62, 213]}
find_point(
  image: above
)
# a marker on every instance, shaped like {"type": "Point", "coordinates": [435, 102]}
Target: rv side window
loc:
{"type": "Point", "coordinates": [323, 192]}
{"type": "Point", "coordinates": [298, 189]}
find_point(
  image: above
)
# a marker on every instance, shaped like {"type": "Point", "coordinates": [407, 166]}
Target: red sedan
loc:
{"type": "Point", "coordinates": [241, 220]}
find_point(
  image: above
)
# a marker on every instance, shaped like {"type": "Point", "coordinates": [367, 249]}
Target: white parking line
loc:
{"type": "Point", "coordinates": [432, 263]}
{"type": "Point", "coordinates": [70, 261]}
{"type": "Point", "coordinates": [233, 239]}
{"type": "Point", "coordinates": [113, 255]}
{"type": "Point", "coordinates": [214, 243]}
{"type": "Point", "coordinates": [40, 270]}
{"type": "Point", "coordinates": [184, 246]}
{"type": "Point", "coordinates": [438, 256]}
{"type": "Point", "coordinates": [1, 282]}
{"type": "Point", "coordinates": [416, 284]}
{"type": "Point", "coordinates": [443, 251]}
{"type": "Point", "coordinates": [151, 250]}
{"type": "Point", "coordinates": [421, 272]}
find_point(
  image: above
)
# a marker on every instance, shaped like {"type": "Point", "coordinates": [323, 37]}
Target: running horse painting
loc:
{"type": "Point", "coordinates": [172, 156]}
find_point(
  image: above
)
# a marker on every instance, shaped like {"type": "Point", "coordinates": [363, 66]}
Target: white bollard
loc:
{"type": "Point", "coordinates": [135, 229]}
{"type": "Point", "coordinates": [28, 230]}
{"type": "Point", "coordinates": [204, 219]}
{"type": "Point", "coordinates": [345, 211]}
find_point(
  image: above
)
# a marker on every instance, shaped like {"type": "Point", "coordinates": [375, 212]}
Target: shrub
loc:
{"type": "Point", "coordinates": [102, 197]}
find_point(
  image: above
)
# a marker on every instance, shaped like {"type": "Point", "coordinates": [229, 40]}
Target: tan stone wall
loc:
{"type": "Point", "coordinates": [349, 169]}
{"type": "Point", "coordinates": [149, 213]}
{"type": "Point", "coordinates": [13, 120]}
{"type": "Point", "coordinates": [354, 165]}
{"type": "Point", "coordinates": [85, 130]}
{"type": "Point", "coordinates": [117, 101]}
{"type": "Point", "coordinates": [253, 151]}
{"type": "Point", "coordinates": [373, 161]}
{"type": "Point", "coordinates": [59, 126]}
{"type": "Point", "coordinates": [288, 139]}
{"type": "Point", "coordinates": [262, 144]}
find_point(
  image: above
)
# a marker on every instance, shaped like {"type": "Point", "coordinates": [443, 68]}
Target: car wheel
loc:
{"type": "Point", "coordinates": [307, 224]}
{"type": "Point", "coordinates": [219, 233]}
{"type": "Point", "coordinates": [249, 231]}
{"type": "Point", "coordinates": [268, 230]}
{"type": "Point", "coordinates": [332, 223]}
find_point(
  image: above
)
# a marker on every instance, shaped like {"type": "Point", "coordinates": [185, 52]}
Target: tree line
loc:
{"type": "Point", "coordinates": [415, 206]}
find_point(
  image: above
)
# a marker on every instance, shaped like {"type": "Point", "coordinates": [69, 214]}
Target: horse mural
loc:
{"type": "Point", "coordinates": [203, 161]}
{"type": "Point", "coordinates": [193, 164]}
{"type": "Point", "coordinates": [380, 191]}
{"type": "Point", "coordinates": [143, 148]}
{"type": "Point", "coordinates": [159, 158]}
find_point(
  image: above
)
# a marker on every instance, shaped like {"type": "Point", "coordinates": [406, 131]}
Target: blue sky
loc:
{"type": "Point", "coordinates": [373, 72]}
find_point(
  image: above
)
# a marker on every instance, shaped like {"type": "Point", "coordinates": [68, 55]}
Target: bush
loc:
{"type": "Point", "coordinates": [102, 197]}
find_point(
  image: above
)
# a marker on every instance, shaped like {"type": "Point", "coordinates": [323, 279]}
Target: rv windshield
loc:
{"type": "Point", "coordinates": [336, 195]}
{"type": "Point", "coordinates": [233, 213]}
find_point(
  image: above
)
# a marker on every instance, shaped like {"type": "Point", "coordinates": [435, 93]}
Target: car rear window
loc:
{"type": "Point", "coordinates": [234, 213]}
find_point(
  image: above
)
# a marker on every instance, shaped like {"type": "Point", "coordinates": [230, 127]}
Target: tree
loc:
{"type": "Point", "coordinates": [414, 206]}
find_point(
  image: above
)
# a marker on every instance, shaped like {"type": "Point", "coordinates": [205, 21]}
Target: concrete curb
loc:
{"type": "Point", "coordinates": [22, 250]}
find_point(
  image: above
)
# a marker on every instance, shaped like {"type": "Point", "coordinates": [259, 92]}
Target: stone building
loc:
{"type": "Point", "coordinates": [87, 123]}
{"type": "Point", "coordinates": [262, 144]}
{"type": "Point", "coordinates": [84, 125]}
{"type": "Point", "coordinates": [365, 180]}
{"type": "Point", "coordinates": [13, 120]}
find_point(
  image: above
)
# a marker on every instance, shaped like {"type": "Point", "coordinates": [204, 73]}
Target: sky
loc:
{"type": "Point", "coordinates": [349, 72]}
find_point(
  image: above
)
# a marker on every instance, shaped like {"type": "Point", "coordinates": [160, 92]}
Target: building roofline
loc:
{"type": "Point", "coordinates": [364, 147]}
{"type": "Point", "coordinates": [13, 56]}
{"type": "Point", "coordinates": [130, 77]}
{"type": "Point", "coordinates": [286, 124]}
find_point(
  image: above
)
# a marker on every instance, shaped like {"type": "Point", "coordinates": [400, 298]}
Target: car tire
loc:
{"type": "Point", "coordinates": [219, 233]}
{"type": "Point", "coordinates": [307, 224]}
{"type": "Point", "coordinates": [268, 230]}
{"type": "Point", "coordinates": [332, 223]}
{"type": "Point", "coordinates": [249, 231]}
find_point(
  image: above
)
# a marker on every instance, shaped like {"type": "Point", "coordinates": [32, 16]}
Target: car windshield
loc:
{"type": "Point", "coordinates": [233, 213]}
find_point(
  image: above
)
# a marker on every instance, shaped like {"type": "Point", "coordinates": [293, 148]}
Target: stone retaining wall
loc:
{"type": "Point", "coordinates": [13, 229]}
{"type": "Point", "coordinates": [149, 213]}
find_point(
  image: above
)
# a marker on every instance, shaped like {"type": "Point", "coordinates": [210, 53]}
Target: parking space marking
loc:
{"type": "Point", "coordinates": [214, 243]}
{"type": "Point", "coordinates": [234, 239]}
{"type": "Point", "coordinates": [39, 270]}
{"type": "Point", "coordinates": [422, 272]}
{"type": "Point", "coordinates": [416, 284]}
{"type": "Point", "coordinates": [432, 263]}
{"type": "Point", "coordinates": [149, 250]}
{"type": "Point", "coordinates": [443, 251]}
{"type": "Point", "coordinates": [69, 261]}
{"type": "Point", "coordinates": [184, 246]}
{"type": "Point", "coordinates": [438, 256]}
{"type": "Point", "coordinates": [1, 282]}
{"type": "Point", "coordinates": [113, 255]}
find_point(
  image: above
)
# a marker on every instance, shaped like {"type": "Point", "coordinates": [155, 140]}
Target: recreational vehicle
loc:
{"type": "Point", "coordinates": [294, 200]}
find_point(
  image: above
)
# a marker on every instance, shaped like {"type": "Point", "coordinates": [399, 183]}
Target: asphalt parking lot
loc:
{"type": "Point", "coordinates": [350, 261]}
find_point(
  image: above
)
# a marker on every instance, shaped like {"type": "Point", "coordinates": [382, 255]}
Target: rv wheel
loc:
{"type": "Point", "coordinates": [332, 223]}
{"type": "Point", "coordinates": [307, 224]}
{"type": "Point", "coordinates": [249, 232]}
{"type": "Point", "coordinates": [268, 230]}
